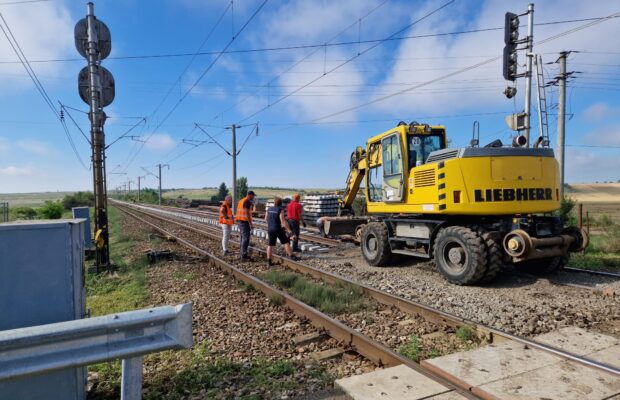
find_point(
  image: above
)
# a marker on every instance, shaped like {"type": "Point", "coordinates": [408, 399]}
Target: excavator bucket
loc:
{"type": "Point", "coordinates": [335, 226]}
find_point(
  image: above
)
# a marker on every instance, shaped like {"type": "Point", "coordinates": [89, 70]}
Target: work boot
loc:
{"type": "Point", "coordinates": [294, 257]}
{"type": "Point", "coordinates": [270, 262]}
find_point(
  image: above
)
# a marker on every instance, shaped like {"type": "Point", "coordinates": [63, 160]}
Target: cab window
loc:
{"type": "Point", "coordinates": [420, 146]}
{"type": "Point", "coordinates": [392, 163]}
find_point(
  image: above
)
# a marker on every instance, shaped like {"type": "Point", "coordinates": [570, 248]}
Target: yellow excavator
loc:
{"type": "Point", "coordinates": [471, 209]}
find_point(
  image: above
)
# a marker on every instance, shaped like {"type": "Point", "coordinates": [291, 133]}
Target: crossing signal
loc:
{"type": "Point", "coordinates": [511, 39]}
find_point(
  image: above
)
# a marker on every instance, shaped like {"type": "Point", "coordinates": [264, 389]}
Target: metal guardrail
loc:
{"type": "Point", "coordinates": [128, 336]}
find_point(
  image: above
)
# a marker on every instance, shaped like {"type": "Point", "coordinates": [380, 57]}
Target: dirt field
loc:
{"type": "Point", "coordinates": [598, 199]}
{"type": "Point", "coordinates": [31, 199]}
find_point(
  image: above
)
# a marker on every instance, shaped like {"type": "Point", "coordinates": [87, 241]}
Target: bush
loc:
{"type": "Point", "coordinates": [24, 213]}
{"type": "Point", "coordinates": [566, 211]}
{"type": "Point", "coordinates": [78, 199]}
{"type": "Point", "coordinates": [51, 210]}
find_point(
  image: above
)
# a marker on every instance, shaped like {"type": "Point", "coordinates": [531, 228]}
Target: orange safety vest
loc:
{"type": "Point", "coordinates": [242, 213]}
{"type": "Point", "coordinates": [226, 215]}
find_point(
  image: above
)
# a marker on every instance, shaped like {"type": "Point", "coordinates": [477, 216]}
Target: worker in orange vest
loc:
{"type": "Point", "coordinates": [244, 222]}
{"type": "Point", "coordinates": [227, 220]}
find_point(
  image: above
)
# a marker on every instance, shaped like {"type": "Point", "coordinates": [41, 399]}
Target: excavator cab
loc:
{"type": "Point", "coordinates": [420, 141]}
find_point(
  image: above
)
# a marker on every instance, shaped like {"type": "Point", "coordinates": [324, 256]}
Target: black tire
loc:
{"type": "Point", "coordinates": [543, 266]}
{"type": "Point", "coordinates": [495, 256]}
{"type": "Point", "coordinates": [460, 255]}
{"type": "Point", "coordinates": [375, 244]}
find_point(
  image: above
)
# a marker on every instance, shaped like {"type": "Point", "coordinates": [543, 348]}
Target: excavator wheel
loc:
{"type": "Point", "coordinates": [375, 244]}
{"type": "Point", "coordinates": [543, 266]}
{"type": "Point", "coordinates": [460, 255]}
{"type": "Point", "coordinates": [496, 257]}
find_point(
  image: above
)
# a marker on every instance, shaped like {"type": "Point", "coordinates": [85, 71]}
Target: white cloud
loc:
{"type": "Point", "coordinates": [43, 31]}
{"type": "Point", "coordinates": [604, 136]}
{"type": "Point", "coordinates": [422, 60]}
{"type": "Point", "coordinates": [314, 21]}
{"type": "Point", "coordinates": [590, 166]}
{"type": "Point", "coordinates": [12, 170]}
{"type": "Point", "coordinates": [159, 142]}
{"type": "Point", "coordinates": [600, 111]}
{"type": "Point", "coordinates": [33, 146]}
{"type": "Point", "coordinates": [4, 145]}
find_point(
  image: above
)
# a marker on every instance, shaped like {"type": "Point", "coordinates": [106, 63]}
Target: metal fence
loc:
{"type": "Point", "coordinates": [4, 211]}
{"type": "Point", "coordinates": [128, 336]}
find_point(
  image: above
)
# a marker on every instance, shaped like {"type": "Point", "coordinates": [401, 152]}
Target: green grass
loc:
{"type": "Point", "coordinates": [411, 350]}
{"type": "Point", "coordinates": [31, 199]}
{"type": "Point", "coordinates": [330, 299]}
{"type": "Point", "coordinates": [276, 299]}
{"type": "Point", "coordinates": [124, 290]}
{"type": "Point", "coordinates": [184, 276]}
{"type": "Point", "coordinates": [603, 250]}
{"type": "Point", "coordinates": [465, 333]}
{"type": "Point", "coordinates": [213, 379]}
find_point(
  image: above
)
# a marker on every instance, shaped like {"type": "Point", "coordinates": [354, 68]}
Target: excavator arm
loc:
{"type": "Point", "coordinates": [357, 171]}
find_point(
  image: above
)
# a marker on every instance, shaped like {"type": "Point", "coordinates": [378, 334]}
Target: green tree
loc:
{"type": "Point", "coordinates": [51, 210]}
{"type": "Point", "coordinates": [242, 187]}
{"type": "Point", "coordinates": [78, 199]}
{"type": "Point", "coordinates": [222, 192]}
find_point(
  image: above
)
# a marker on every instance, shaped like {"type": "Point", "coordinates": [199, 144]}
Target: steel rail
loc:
{"type": "Point", "coordinates": [409, 306]}
{"type": "Point", "coordinates": [374, 351]}
{"type": "Point", "coordinates": [592, 271]}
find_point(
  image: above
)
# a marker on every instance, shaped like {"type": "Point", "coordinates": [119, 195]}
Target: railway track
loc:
{"type": "Point", "coordinates": [362, 344]}
{"type": "Point", "coordinates": [593, 272]}
{"type": "Point", "coordinates": [410, 307]}
{"type": "Point", "coordinates": [310, 235]}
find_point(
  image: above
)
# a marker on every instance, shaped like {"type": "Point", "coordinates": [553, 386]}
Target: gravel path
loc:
{"type": "Point", "coordinates": [523, 305]}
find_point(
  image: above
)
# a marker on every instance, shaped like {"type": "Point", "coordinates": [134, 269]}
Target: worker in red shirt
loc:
{"type": "Point", "coordinates": [295, 217]}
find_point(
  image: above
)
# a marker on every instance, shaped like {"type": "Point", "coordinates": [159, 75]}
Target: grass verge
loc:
{"type": "Point", "coordinates": [124, 290]}
{"type": "Point", "coordinates": [330, 299]}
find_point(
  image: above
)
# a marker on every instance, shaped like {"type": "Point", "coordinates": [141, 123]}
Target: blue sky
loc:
{"type": "Point", "coordinates": [249, 87]}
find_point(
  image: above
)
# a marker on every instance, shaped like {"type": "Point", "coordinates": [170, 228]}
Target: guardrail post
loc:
{"type": "Point", "coordinates": [131, 383]}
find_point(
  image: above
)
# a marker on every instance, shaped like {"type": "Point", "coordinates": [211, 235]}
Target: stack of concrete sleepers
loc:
{"type": "Point", "coordinates": [320, 206]}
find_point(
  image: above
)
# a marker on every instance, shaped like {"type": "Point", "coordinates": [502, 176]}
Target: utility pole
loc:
{"type": "Point", "coordinates": [234, 166]}
{"type": "Point", "coordinates": [96, 88]}
{"type": "Point", "coordinates": [562, 117]}
{"type": "Point", "coordinates": [139, 188]}
{"type": "Point", "coordinates": [129, 185]}
{"type": "Point", "coordinates": [528, 71]}
{"type": "Point", "coordinates": [159, 178]}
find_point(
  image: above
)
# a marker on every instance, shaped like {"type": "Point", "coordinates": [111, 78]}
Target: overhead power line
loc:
{"type": "Point", "coordinates": [301, 47]}
{"type": "Point", "coordinates": [200, 77]}
{"type": "Point", "coordinates": [37, 83]}
{"type": "Point", "coordinates": [446, 76]}
{"type": "Point", "coordinates": [10, 3]}
{"type": "Point", "coordinates": [302, 59]}
{"type": "Point", "coordinates": [359, 54]}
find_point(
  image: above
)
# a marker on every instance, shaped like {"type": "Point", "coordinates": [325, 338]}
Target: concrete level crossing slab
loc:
{"type": "Point", "coordinates": [512, 371]}
{"type": "Point", "coordinates": [577, 341]}
{"type": "Point", "coordinates": [395, 383]}
{"type": "Point", "coordinates": [565, 380]}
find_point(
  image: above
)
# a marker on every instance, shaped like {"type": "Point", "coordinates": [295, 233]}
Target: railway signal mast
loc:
{"type": "Point", "coordinates": [96, 88]}
{"type": "Point", "coordinates": [519, 121]}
